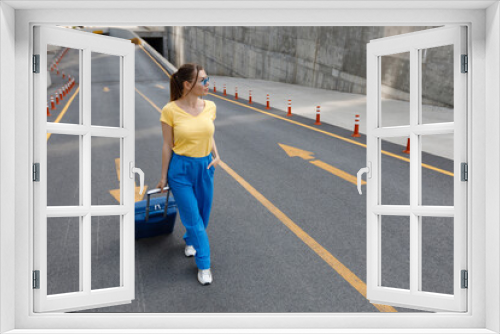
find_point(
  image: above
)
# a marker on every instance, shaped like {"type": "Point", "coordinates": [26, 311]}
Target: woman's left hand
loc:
{"type": "Point", "coordinates": [214, 162]}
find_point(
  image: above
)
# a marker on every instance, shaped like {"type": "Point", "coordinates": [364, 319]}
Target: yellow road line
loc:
{"type": "Point", "coordinates": [60, 116]}
{"type": "Point", "coordinates": [340, 173]}
{"type": "Point", "coordinates": [150, 102]}
{"type": "Point", "coordinates": [348, 275]}
{"type": "Point", "coordinates": [150, 56]}
{"type": "Point", "coordinates": [333, 262]}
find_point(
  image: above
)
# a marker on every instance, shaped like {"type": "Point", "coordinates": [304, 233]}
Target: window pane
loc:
{"type": "Point", "coordinates": [395, 173]}
{"type": "Point", "coordinates": [106, 92]}
{"type": "Point", "coordinates": [63, 77]}
{"type": "Point", "coordinates": [63, 255]}
{"type": "Point", "coordinates": [63, 170]}
{"type": "Point", "coordinates": [395, 236]}
{"type": "Point", "coordinates": [105, 252]}
{"type": "Point", "coordinates": [395, 89]}
{"type": "Point", "coordinates": [437, 84]}
{"type": "Point", "coordinates": [106, 171]}
{"type": "Point", "coordinates": [437, 170]}
{"type": "Point", "coordinates": [437, 254]}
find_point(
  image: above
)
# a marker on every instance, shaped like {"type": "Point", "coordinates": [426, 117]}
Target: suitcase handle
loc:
{"type": "Point", "coordinates": [157, 191]}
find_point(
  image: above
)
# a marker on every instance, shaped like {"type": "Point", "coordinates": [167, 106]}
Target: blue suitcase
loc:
{"type": "Point", "coordinates": [151, 217]}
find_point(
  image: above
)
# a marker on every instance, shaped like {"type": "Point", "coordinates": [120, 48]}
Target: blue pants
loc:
{"type": "Point", "coordinates": [192, 186]}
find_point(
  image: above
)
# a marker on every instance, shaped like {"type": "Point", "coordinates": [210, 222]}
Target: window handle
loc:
{"type": "Point", "coordinates": [134, 170]}
{"type": "Point", "coordinates": [368, 171]}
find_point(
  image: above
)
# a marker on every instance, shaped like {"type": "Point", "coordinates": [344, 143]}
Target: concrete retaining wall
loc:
{"type": "Point", "coordinates": [321, 57]}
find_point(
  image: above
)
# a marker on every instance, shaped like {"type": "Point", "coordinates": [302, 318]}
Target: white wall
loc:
{"type": "Point", "coordinates": [7, 184]}
{"type": "Point", "coordinates": [492, 163]}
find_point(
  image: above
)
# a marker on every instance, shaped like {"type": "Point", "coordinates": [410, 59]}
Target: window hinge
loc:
{"type": "Point", "coordinates": [36, 279]}
{"type": "Point", "coordinates": [36, 172]}
{"type": "Point", "coordinates": [465, 64]}
{"type": "Point", "coordinates": [465, 279]}
{"type": "Point", "coordinates": [36, 63]}
{"type": "Point", "coordinates": [465, 171]}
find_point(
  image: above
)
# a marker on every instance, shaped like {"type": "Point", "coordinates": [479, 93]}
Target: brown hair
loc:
{"type": "Point", "coordinates": [186, 72]}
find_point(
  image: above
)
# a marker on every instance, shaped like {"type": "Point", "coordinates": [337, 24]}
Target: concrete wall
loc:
{"type": "Point", "coordinates": [321, 57]}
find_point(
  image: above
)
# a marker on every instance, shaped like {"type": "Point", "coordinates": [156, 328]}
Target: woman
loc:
{"type": "Point", "coordinates": [187, 163]}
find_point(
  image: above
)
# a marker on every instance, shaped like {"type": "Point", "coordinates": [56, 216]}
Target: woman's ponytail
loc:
{"type": "Point", "coordinates": [187, 72]}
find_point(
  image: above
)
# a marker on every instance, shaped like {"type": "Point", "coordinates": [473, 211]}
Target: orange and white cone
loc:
{"type": "Point", "coordinates": [52, 103]}
{"type": "Point", "coordinates": [289, 108]}
{"type": "Point", "coordinates": [235, 93]}
{"type": "Point", "coordinates": [356, 127]}
{"type": "Point", "coordinates": [318, 122]}
{"type": "Point", "coordinates": [249, 96]}
{"type": "Point", "coordinates": [267, 107]}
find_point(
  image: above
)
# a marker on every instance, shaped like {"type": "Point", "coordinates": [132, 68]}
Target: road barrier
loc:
{"type": "Point", "coordinates": [356, 127]}
{"type": "Point", "coordinates": [407, 147]}
{"type": "Point", "coordinates": [289, 108]}
{"type": "Point", "coordinates": [268, 102]}
{"type": "Point", "coordinates": [317, 116]}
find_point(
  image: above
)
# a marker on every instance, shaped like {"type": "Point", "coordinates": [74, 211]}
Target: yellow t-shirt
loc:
{"type": "Point", "coordinates": [192, 134]}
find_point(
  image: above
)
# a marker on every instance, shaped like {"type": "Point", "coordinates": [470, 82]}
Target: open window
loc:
{"type": "Point", "coordinates": [420, 211]}
{"type": "Point", "coordinates": [79, 140]}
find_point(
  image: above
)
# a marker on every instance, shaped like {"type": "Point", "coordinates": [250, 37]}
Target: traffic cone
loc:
{"type": "Point", "coordinates": [57, 98]}
{"type": "Point", "coordinates": [317, 116]}
{"type": "Point", "coordinates": [249, 96]}
{"type": "Point", "coordinates": [48, 112]}
{"type": "Point", "coordinates": [214, 88]}
{"type": "Point", "coordinates": [267, 107]}
{"type": "Point", "coordinates": [235, 93]}
{"type": "Point", "coordinates": [356, 127]}
{"type": "Point", "coordinates": [289, 108]}
{"type": "Point", "coordinates": [225, 90]}
{"type": "Point", "coordinates": [407, 151]}
{"type": "Point", "coordinates": [52, 104]}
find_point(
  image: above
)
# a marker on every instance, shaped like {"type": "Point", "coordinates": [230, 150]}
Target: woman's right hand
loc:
{"type": "Point", "coordinates": [161, 185]}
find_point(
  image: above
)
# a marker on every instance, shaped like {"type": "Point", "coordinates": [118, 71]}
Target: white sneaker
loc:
{"type": "Point", "coordinates": [189, 251]}
{"type": "Point", "coordinates": [204, 276]}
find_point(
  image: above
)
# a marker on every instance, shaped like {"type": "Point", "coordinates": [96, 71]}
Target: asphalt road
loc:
{"type": "Point", "coordinates": [259, 264]}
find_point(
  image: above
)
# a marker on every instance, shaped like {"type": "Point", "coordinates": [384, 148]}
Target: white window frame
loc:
{"type": "Point", "coordinates": [413, 44]}
{"type": "Point", "coordinates": [123, 51]}
{"type": "Point", "coordinates": [483, 293]}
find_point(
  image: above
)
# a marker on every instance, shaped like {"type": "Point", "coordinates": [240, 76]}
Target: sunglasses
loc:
{"type": "Point", "coordinates": [204, 81]}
